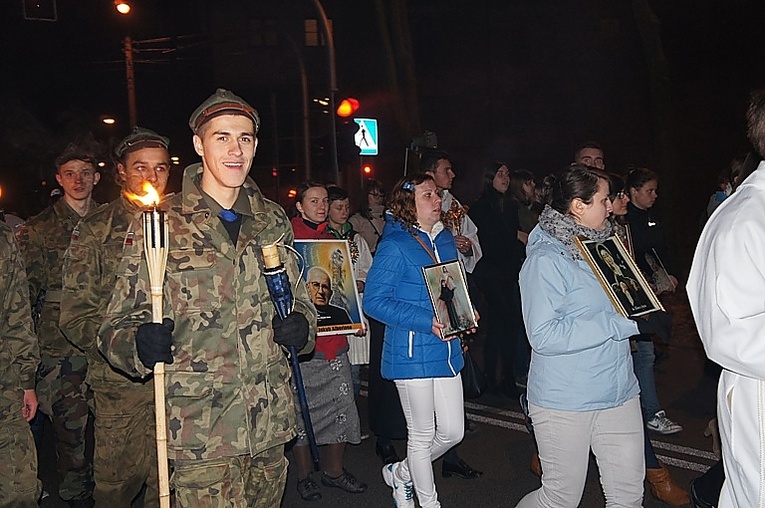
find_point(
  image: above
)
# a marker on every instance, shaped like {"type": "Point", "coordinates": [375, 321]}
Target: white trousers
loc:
{"type": "Point", "coordinates": [435, 422]}
{"type": "Point", "coordinates": [565, 438]}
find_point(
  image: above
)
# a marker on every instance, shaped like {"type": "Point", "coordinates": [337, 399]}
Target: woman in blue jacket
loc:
{"type": "Point", "coordinates": [582, 390]}
{"type": "Point", "coordinates": [424, 366]}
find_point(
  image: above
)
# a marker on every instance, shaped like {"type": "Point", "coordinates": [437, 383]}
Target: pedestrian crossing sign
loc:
{"type": "Point", "coordinates": [366, 137]}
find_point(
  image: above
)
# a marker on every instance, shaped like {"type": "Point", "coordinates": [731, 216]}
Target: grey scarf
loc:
{"type": "Point", "coordinates": [565, 228]}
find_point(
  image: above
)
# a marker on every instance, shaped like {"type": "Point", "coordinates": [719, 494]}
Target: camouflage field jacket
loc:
{"type": "Point", "coordinates": [228, 389]}
{"type": "Point", "coordinates": [89, 276]}
{"type": "Point", "coordinates": [19, 355]}
{"type": "Point", "coordinates": [43, 240]}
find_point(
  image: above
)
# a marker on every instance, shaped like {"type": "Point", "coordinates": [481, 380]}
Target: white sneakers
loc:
{"type": "Point", "coordinates": [403, 492]}
{"type": "Point", "coordinates": [663, 425]}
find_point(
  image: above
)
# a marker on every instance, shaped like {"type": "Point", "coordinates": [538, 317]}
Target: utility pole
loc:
{"type": "Point", "coordinates": [329, 38]}
{"type": "Point", "coordinates": [128, 46]}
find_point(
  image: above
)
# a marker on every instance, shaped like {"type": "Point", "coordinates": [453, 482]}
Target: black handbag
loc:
{"type": "Point", "coordinates": [473, 378]}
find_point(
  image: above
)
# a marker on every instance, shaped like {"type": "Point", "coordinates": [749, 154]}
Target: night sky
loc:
{"type": "Point", "coordinates": [659, 84]}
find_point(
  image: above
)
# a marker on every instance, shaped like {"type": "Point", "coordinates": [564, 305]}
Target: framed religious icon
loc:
{"type": "Point", "coordinates": [620, 277]}
{"type": "Point", "coordinates": [328, 276]}
{"type": "Point", "coordinates": [659, 277]}
{"type": "Point", "coordinates": [628, 240]}
{"type": "Point", "coordinates": [447, 287]}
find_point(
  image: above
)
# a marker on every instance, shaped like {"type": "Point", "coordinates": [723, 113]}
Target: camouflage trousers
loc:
{"type": "Point", "coordinates": [125, 455]}
{"type": "Point", "coordinates": [65, 398]}
{"type": "Point", "coordinates": [231, 482]}
{"type": "Point", "coordinates": [19, 485]}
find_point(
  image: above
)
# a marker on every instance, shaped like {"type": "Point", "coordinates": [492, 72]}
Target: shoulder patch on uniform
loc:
{"type": "Point", "coordinates": [129, 238]}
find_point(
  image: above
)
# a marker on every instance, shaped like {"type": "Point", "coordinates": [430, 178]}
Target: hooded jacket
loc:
{"type": "Point", "coordinates": [396, 295]}
{"type": "Point", "coordinates": [580, 359]}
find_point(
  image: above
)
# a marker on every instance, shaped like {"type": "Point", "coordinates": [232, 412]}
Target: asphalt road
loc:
{"type": "Point", "coordinates": [501, 447]}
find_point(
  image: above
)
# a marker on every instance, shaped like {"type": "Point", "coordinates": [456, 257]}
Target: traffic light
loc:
{"type": "Point", "coordinates": [347, 107]}
{"type": "Point", "coordinates": [367, 169]}
{"type": "Point", "coordinates": [347, 151]}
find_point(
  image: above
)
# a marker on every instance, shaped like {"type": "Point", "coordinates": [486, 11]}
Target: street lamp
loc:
{"type": "Point", "coordinates": [122, 6]}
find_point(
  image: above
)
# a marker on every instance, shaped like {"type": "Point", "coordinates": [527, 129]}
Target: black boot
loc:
{"type": "Point", "coordinates": [386, 452]}
{"type": "Point", "coordinates": [461, 469]}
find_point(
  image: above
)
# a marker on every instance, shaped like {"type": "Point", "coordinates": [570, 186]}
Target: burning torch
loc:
{"type": "Point", "coordinates": [279, 288]}
{"type": "Point", "coordinates": [155, 243]}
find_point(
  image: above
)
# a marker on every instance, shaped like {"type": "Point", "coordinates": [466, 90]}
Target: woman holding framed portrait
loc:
{"type": "Point", "coordinates": [582, 392]}
{"type": "Point", "coordinates": [663, 487]}
{"type": "Point", "coordinates": [424, 365]}
{"type": "Point", "coordinates": [327, 373]}
{"type": "Point", "coordinates": [650, 248]}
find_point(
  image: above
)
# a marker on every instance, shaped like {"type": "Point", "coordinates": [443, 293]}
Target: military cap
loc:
{"type": "Point", "coordinates": [222, 102]}
{"type": "Point", "coordinates": [75, 152]}
{"type": "Point", "coordinates": [140, 138]}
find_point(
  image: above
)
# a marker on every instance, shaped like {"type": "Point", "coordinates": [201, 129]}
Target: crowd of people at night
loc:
{"type": "Point", "coordinates": [565, 273]}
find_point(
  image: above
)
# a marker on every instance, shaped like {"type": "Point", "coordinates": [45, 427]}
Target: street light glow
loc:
{"type": "Point", "coordinates": [108, 120]}
{"type": "Point", "coordinates": [122, 6]}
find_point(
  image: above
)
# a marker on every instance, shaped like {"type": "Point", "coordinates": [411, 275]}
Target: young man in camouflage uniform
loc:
{"type": "Point", "coordinates": [61, 387]}
{"type": "Point", "coordinates": [19, 357]}
{"type": "Point", "coordinates": [125, 451]}
{"type": "Point", "coordinates": [229, 404]}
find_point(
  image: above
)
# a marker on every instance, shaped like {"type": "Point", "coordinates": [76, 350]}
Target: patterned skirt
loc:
{"type": "Point", "coordinates": [329, 391]}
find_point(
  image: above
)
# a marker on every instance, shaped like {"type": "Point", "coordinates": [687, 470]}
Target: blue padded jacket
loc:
{"type": "Point", "coordinates": [395, 294]}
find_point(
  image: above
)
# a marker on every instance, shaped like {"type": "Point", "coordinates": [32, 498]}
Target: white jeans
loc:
{"type": "Point", "coordinates": [565, 438]}
{"type": "Point", "coordinates": [435, 422]}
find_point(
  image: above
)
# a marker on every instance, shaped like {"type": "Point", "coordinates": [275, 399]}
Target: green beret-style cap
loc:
{"type": "Point", "coordinates": [76, 152]}
{"type": "Point", "coordinates": [140, 138]}
{"type": "Point", "coordinates": [222, 102]}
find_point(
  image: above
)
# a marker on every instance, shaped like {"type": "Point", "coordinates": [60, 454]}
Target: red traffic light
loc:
{"type": "Point", "coordinates": [367, 169]}
{"type": "Point", "coordinates": [347, 107]}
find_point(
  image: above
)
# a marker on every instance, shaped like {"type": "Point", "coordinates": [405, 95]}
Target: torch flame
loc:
{"type": "Point", "coordinates": [150, 195]}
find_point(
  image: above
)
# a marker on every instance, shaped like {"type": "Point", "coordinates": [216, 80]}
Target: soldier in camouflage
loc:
{"type": "Point", "coordinates": [125, 452]}
{"type": "Point", "coordinates": [61, 388]}
{"type": "Point", "coordinates": [19, 357]}
{"type": "Point", "coordinates": [229, 403]}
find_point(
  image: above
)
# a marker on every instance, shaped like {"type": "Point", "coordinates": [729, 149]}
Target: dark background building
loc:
{"type": "Point", "coordinates": [658, 84]}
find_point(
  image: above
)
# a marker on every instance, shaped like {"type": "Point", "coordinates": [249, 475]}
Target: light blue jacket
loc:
{"type": "Point", "coordinates": [395, 294]}
{"type": "Point", "coordinates": [580, 359]}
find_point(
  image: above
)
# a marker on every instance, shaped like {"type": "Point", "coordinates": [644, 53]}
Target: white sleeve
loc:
{"type": "Point", "coordinates": [726, 290]}
{"type": "Point", "coordinates": [470, 231]}
{"type": "Point", "coordinates": [364, 262]}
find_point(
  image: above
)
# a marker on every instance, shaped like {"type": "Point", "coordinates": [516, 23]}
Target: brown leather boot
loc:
{"type": "Point", "coordinates": [536, 466]}
{"type": "Point", "coordinates": [664, 488]}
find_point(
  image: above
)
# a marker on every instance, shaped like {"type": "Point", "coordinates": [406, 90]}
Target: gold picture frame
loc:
{"type": "Point", "coordinates": [328, 276]}
{"type": "Point", "coordinates": [619, 276]}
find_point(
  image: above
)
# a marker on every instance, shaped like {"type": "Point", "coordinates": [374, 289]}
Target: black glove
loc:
{"type": "Point", "coordinates": [292, 331]}
{"type": "Point", "coordinates": [153, 342]}
{"type": "Point", "coordinates": [659, 323]}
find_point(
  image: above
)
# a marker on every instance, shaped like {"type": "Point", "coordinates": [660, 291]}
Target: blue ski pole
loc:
{"type": "Point", "coordinates": [279, 288]}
